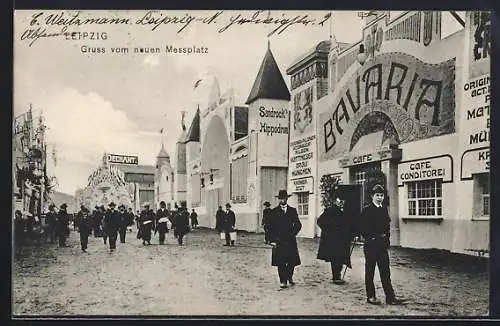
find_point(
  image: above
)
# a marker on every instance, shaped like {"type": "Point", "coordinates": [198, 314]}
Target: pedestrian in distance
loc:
{"type": "Point", "coordinates": [181, 224]}
{"type": "Point", "coordinates": [18, 233]}
{"type": "Point", "coordinates": [147, 224]}
{"type": "Point", "coordinates": [228, 224]}
{"type": "Point", "coordinates": [284, 227]}
{"type": "Point", "coordinates": [62, 228]}
{"type": "Point", "coordinates": [51, 219]}
{"type": "Point", "coordinates": [131, 219]}
{"type": "Point", "coordinates": [138, 219]}
{"type": "Point", "coordinates": [124, 222]}
{"type": "Point", "coordinates": [219, 220]}
{"type": "Point", "coordinates": [374, 226]}
{"type": "Point", "coordinates": [85, 228]}
{"type": "Point", "coordinates": [335, 239]}
{"type": "Point", "coordinates": [266, 220]}
{"type": "Point", "coordinates": [194, 219]}
{"type": "Point", "coordinates": [162, 220]}
{"type": "Point", "coordinates": [112, 223]}
{"type": "Point", "coordinates": [102, 227]}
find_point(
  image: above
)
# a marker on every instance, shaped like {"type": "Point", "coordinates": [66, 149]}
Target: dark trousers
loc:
{"type": "Point", "coordinates": [285, 272]}
{"type": "Point", "coordinates": [162, 237]}
{"type": "Point", "coordinates": [113, 235]}
{"type": "Point", "coordinates": [266, 234]}
{"type": "Point", "coordinates": [336, 270]}
{"type": "Point", "coordinates": [62, 240]}
{"type": "Point", "coordinates": [377, 255]}
{"type": "Point", "coordinates": [123, 232]}
{"type": "Point", "coordinates": [84, 239]}
{"type": "Point", "coordinates": [52, 234]}
{"type": "Point", "coordinates": [180, 237]}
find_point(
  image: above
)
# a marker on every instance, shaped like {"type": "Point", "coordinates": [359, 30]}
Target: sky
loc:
{"type": "Point", "coordinates": [117, 103]}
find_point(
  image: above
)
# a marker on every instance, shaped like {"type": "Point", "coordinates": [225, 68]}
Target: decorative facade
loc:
{"type": "Point", "coordinates": [405, 102]}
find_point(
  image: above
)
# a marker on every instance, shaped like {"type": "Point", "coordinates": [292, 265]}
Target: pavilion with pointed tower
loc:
{"type": "Point", "coordinates": [237, 154]}
{"type": "Point", "coordinates": [164, 179]}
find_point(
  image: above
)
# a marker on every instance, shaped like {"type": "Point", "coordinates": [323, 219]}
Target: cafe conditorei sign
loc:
{"type": "Point", "coordinates": [417, 98]}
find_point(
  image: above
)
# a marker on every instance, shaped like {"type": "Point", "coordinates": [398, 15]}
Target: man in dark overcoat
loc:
{"type": "Point", "coordinates": [112, 223]}
{"type": "Point", "coordinates": [228, 223]}
{"type": "Point", "coordinates": [124, 223]}
{"type": "Point", "coordinates": [162, 217]}
{"type": "Point", "coordinates": [62, 228]}
{"type": "Point", "coordinates": [147, 220]}
{"type": "Point", "coordinates": [181, 224]}
{"type": "Point", "coordinates": [374, 226]}
{"type": "Point", "coordinates": [85, 228]}
{"type": "Point", "coordinates": [284, 227]}
{"type": "Point", "coordinates": [219, 219]}
{"type": "Point", "coordinates": [51, 219]}
{"type": "Point", "coordinates": [335, 240]}
{"type": "Point", "coordinates": [266, 220]}
{"type": "Point", "coordinates": [194, 219]}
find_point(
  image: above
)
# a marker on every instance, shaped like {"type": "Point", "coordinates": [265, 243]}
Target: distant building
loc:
{"type": "Point", "coordinates": [119, 179]}
{"type": "Point", "coordinates": [164, 179]}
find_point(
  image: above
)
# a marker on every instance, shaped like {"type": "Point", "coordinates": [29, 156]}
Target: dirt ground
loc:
{"type": "Point", "coordinates": [205, 278]}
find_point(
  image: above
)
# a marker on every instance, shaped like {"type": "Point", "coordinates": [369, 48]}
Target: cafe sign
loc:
{"type": "Point", "coordinates": [426, 169]}
{"type": "Point", "coordinates": [383, 153]}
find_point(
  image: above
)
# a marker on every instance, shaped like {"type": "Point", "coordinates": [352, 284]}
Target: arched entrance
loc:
{"type": "Point", "coordinates": [215, 161]}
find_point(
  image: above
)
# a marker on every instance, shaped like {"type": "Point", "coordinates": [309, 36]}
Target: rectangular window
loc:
{"type": "Point", "coordinates": [239, 174]}
{"type": "Point", "coordinates": [303, 203]}
{"type": "Point", "coordinates": [425, 198]}
{"type": "Point", "coordinates": [481, 195]}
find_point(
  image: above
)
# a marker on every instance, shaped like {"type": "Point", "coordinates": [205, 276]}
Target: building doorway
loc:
{"type": "Point", "coordinates": [366, 175]}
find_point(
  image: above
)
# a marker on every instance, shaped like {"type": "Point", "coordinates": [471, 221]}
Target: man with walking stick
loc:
{"type": "Point", "coordinates": [335, 240]}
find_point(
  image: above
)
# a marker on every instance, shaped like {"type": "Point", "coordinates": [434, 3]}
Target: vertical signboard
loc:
{"type": "Point", "coordinates": [475, 115]}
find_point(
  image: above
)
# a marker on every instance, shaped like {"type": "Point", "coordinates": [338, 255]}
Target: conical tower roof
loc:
{"type": "Point", "coordinates": [163, 153]}
{"type": "Point", "coordinates": [269, 83]}
{"type": "Point", "coordinates": [194, 130]}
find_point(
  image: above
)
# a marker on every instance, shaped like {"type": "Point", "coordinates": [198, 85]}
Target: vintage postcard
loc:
{"type": "Point", "coordinates": [251, 163]}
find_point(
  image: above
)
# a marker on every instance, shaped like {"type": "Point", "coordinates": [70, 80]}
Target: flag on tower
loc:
{"type": "Point", "coordinates": [197, 83]}
{"type": "Point", "coordinates": [161, 131]}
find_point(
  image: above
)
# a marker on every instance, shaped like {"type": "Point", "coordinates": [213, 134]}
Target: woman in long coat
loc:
{"type": "Point", "coordinates": [335, 240]}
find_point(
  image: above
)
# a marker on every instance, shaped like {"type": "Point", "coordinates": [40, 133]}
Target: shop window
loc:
{"type": "Point", "coordinates": [481, 196]}
{"type": "Point", "coordinates": [303, 203]}
{"type": "Point", "coordinates": [425, 198]}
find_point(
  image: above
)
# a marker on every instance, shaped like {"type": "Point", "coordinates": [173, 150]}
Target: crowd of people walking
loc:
{"type": "Point", "coordinates": [281, 226]}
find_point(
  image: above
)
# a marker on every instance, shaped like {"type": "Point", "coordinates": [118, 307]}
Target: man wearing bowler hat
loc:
{"type": "Point", "coordinates": [229, 221]}
{"type": "Point", "coordinates": [62, 228]}
{"type": "Point", "coordinates": [284, 227]}
{"type": "Point", "coordinates": [374, 226]}
{"type": "Point", "coordinates": [112, 224]}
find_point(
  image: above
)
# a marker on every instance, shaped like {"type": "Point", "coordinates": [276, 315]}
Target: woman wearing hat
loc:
{"type": "Point", "coordinates": [147, 220]}
{"type": "Point", "coordinates": [62, 228]}
{"type": "Point", "coordinates": [266, 219]}
{"type": "Point", "coordinates": [374, 226]}
{"type": "Point", "coordinates": [335, 240]}
{"type": "Point", "coordinates": [284, 227]}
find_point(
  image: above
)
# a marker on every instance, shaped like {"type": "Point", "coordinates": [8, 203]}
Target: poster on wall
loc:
{"type": "Point", "coordinates": [480, 43]}
{"type": "Point", "coordinates": [396, 93]}
{"type": "Point", "coordinates": [303, 112]}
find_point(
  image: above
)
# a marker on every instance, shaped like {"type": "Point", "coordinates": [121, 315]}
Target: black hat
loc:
{"type": "Point", "coordinates": [64, 205]}
{"type": "Point", "coordinates": [96, 207]}
{"type": "Point", "coordinates": [282, 194]}
{"type": "Point", "coordinates": [377, 189]}
{"type": "Point", "coordinates": [267, 204]}
{"type": "Point", "coordinates": [112, 204]}
{"type": "Point", "coordinates": [228, 205]}
{"type": "Point", "coordinates": [162, 203]}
